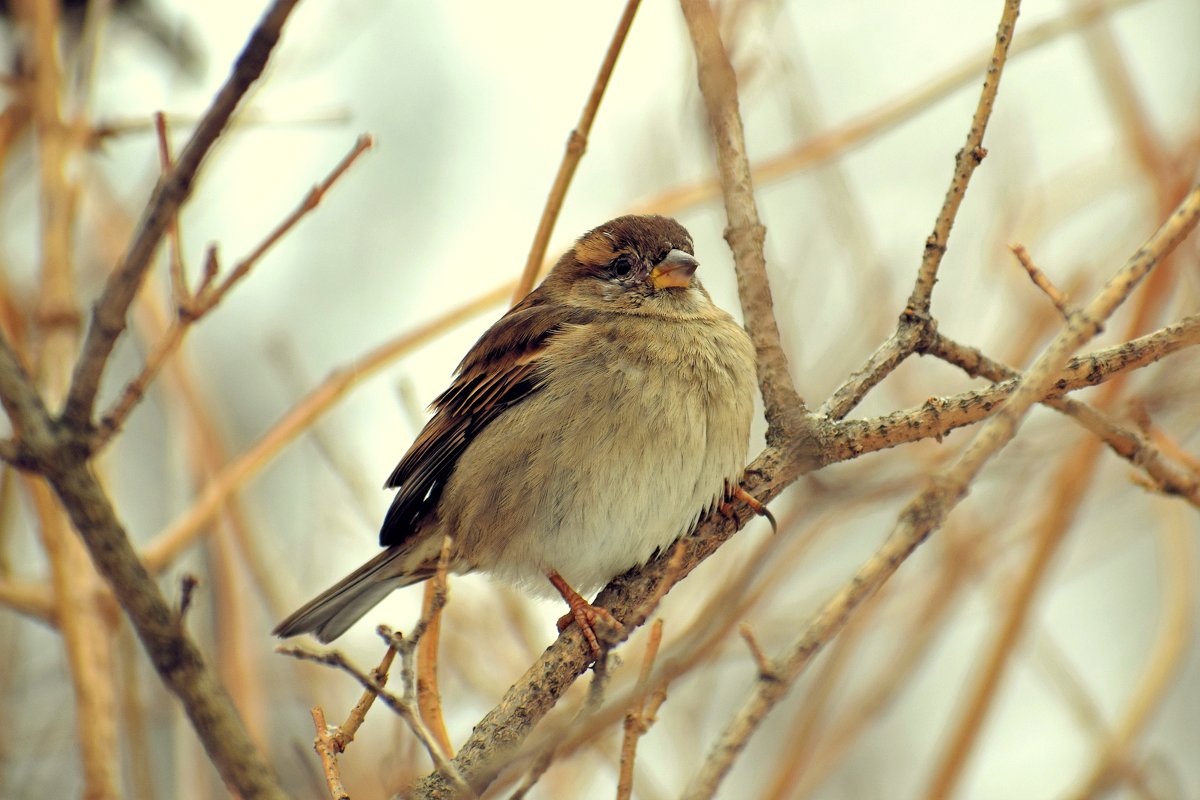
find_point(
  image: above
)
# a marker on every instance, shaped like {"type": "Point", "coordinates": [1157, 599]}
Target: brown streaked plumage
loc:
{"type": "Point", "coordinates": [587, 429]}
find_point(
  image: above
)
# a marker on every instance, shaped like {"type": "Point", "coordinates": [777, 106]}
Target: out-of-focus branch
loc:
{"type": "Point", "coordinates": [745, 233]}
{"type": "Point", "coordinates": [576, 145]}
{"type": "Point", "coordinates": [172, 190]}
{"type": "Point", "coordinates": [1065, 493]}
{"type": "Point", "coordinates": [1176, 631]}
{"type": "Point", "coordinates": [847, 136]}
{"type": "Point", "coordinates": [59, 449]}
{"type": "Point", "coordinates": [641, 716]}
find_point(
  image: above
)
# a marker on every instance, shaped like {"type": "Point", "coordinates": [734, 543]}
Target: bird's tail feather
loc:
{"type": "Point", "coordinates": [328, 615]}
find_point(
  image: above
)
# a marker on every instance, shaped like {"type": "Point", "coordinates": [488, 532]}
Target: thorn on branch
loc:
{"type": "Point", "coordinates": [766, 669]}
{"type": "Point", "coordinates": [187, 589]}
{"type": "Point", "coordinates": [1057, 297]}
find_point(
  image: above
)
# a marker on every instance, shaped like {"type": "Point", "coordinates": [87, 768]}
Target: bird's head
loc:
{"type": "Point", "coordinates": [639, 264]}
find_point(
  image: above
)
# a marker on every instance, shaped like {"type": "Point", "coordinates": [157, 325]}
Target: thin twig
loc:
{"type": "Point", "coordinates": [403, 706]}
{"type": "Point", "coordinates": [883, 362]}
{"type": "Point", "coordinates": [85, 628]}
{"type": "Point", "coordinates": [916, 326]}
{"type": "Point", "coordinates": [327, 748]}
{"type": "Point", "coordinates": [345, 732]}
{"type": "Point", "coordinates": [179, 285]}
{"type": "Point", "coordinates": [576, 145]}
{"type": "Point", "coordinates": [640, 718]}
{"type": "Point", "coordinates": [1131, 445]}
{"type": "Point", "coordinates": [766, 669]}
{"type": "Point", "coordinates": [965, 162]}
{"type": "Point", "coordinates": [172, 190]}
{"type": "Point", "coordinates": [194, 307]}
{"type": "Point", "coordinates": [1040, 280]}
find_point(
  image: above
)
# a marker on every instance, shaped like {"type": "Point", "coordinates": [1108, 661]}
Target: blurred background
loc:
{"type": "Point", "coordinates": [853, 113]}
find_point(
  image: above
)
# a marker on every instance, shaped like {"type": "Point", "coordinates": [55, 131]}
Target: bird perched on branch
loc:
{"type": "Point", "coordinates": [587, 429]}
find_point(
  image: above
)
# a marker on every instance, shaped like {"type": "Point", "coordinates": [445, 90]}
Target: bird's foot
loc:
{"type": "Point", "coordinates": [758, 508]}
{"type": "Point", "coordinates": [583, 614]}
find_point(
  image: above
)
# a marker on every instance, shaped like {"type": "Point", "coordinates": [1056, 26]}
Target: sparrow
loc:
{"type": "Point", "coordinates": [587, 430]}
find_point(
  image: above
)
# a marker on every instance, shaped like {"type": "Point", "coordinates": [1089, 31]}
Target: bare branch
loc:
{"type": "Point", "coordinates": [403, 706]}
{"type": "Point", "coordinates": [745, 233]}
{"type": "Point", "coordinates": [327, 748]}
{"type": "Point", "coordinates": [345, 732]}
{"type": "Point", "coordinates": [429, 698]}
{"type": "Point", "coordinates": [916, 326]}
{"type": "Point", "coordinates": [109, 313]}
{"type": "Point", "coordinates": [965, 162]}
{"type": "Point", "coordinates": [576, 145]}
{"type": "Point", "coordinates": [638, 721]}
{"type": "Point", "coordinates": [206, 298]}
{"type": "Point", "coordinates": [1125, 442]}
{"type": "Point", "coordinates": [928, 509]}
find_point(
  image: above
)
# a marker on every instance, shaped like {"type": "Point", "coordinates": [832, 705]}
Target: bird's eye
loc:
{"type": "Point", "coordinates": [621, 267]}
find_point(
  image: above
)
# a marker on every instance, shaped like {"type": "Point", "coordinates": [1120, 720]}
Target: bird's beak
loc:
{"type": "Point", "coordinates": [674, 270]}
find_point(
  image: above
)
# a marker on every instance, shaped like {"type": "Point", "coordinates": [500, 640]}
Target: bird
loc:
{"type": "Point", "coordinates": [588, 429]}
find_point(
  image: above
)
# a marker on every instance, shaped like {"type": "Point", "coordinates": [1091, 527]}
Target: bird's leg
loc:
{"type": "Point", "coordinates": [758, 508]}
{"type": "Point", "coordinates": [582, 613]}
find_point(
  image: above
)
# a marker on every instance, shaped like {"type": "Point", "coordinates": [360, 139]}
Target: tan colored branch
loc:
{"type": "Point", "coordinates": [928, 509]}
{"type": "Point", "coordinates": [576, 145]}
{"type": "Point", "coordinates": [346, 732]}
{"type": "Point", "coordinates": [85, 627]}
{"type": "Point", "coordinates": [745, 233]}
{"type": "Point", "coordinates": [965, 162]}
{"type": "Point", "coordinates": [60, 452]}
{"type": "Point", "coordinates": [404, 706]}
{"type": "Point", "coordinates": [1176, 632]}
{"type": "Point", "coordinates": [1167, 476]}
{"type": "Point", "coordinates": [429, 696]}
{"type": "Point", "coordinates": [916, 326]}
{"type": "Point", "coordinates": [327, 749]}
{"type": "Point", "coordinates": [640, 717]}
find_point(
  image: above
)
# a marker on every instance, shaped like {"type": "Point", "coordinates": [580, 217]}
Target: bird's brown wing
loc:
{"type": "Point", "coordinates": [501, 370]}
